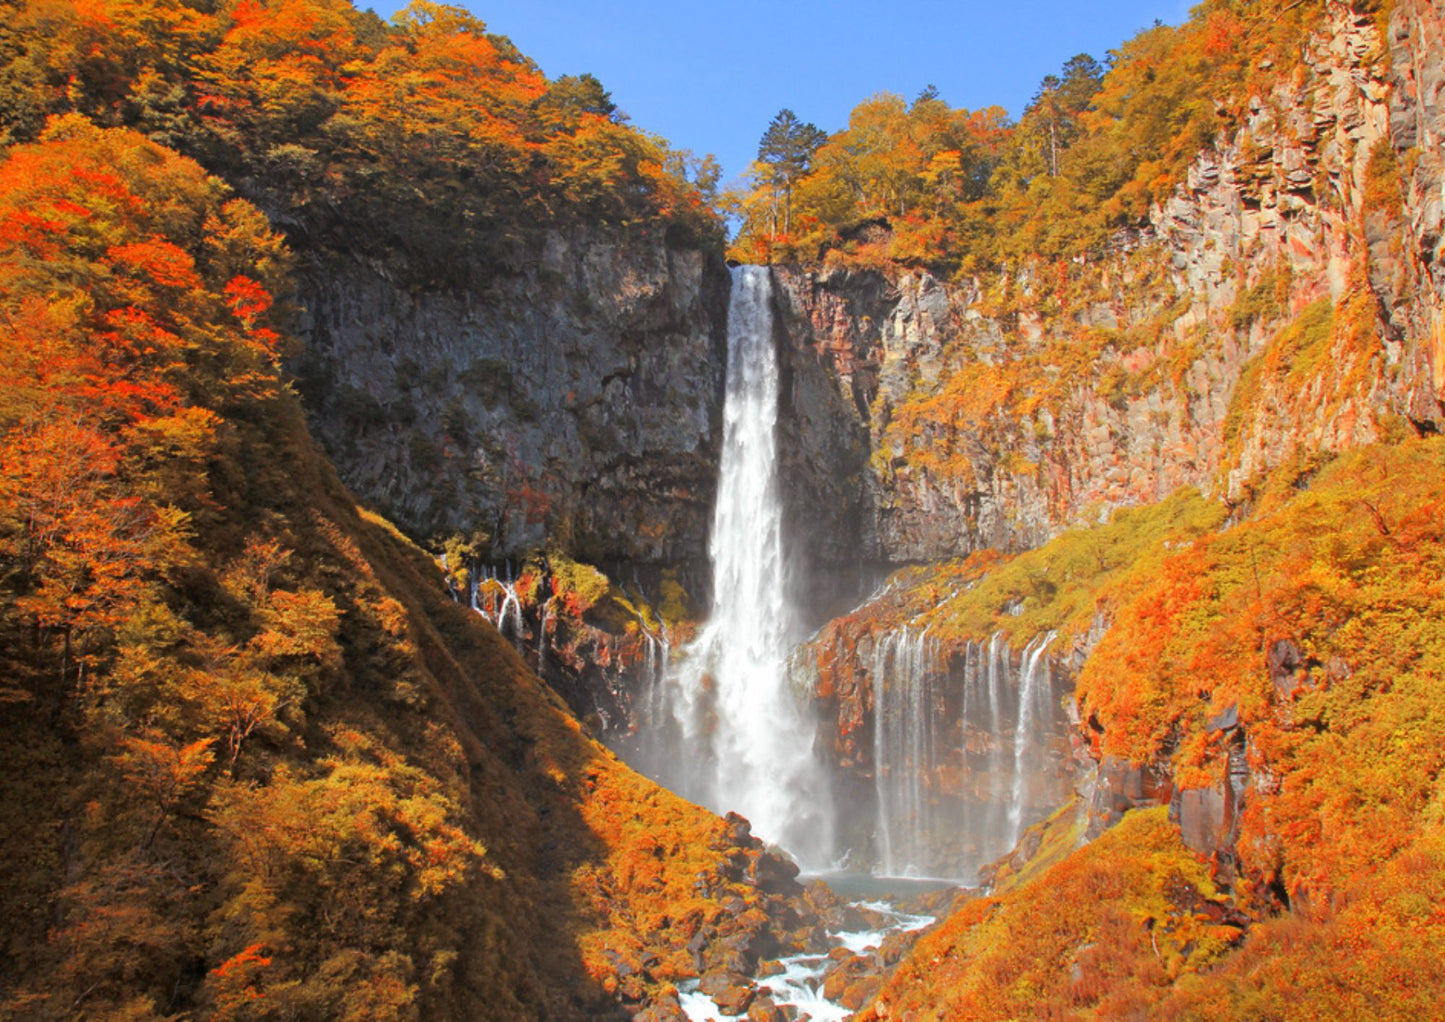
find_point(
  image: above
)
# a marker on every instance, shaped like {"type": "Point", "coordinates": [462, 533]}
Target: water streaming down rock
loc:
{"type": "Point", "coordinates": [656, 661]}
{"type": "Point", "coordinates": [1027, 722]}
{"type": "Point", "coordinates": [944, 750]}
{"type": "Point", "coordinates": [746, 736]}
{"type": "Point", "coordinates": [965, 750]}
{"type": "Point", "coordinates": [908, 675]}
{"type": "Point", "coordinates": [542, 635]}
{"type": "Point", "coordinates": [1013, 751]}
{"type": "Point", "coordinates": [494, 596]}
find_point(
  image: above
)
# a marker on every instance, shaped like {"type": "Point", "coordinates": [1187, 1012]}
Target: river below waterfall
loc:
{"type": "Point", "coordinates": [802, 978]}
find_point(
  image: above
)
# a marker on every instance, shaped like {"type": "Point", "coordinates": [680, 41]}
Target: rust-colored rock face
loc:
{"type": "Point", "coordinates": [929, 419]}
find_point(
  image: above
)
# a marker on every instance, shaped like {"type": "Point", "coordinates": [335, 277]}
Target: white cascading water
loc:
{"type": "Point", "coordinates": [981, 749]}
{"type": "Point", "coordinates": [748, 738]}
{"type": "Point", "coordinates": [1025, 729]}
{"type": "Point", "coordinates": [654, 673]}
{"type": "Point", "coordinates": [1006, 792]}
{"type": "Point", "coordinates": [495, 598]}
{"type": "Point", "coordinates": [906, 748]}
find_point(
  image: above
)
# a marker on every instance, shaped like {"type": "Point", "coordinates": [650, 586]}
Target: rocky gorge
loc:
{"type": "Point", "coordinates": [1101, 580]}
{"type": "Point", "coordinates": [1195, 351]}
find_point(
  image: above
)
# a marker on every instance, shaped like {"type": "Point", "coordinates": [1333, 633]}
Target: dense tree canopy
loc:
{"type": "Point", "coordinates": [1098, 143]}
{"type": "Point", "coordinates": [428, 129]}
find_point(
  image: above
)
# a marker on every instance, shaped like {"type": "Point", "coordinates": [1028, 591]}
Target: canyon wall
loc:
{"type": "Point", "coordinates": [579, 397]}
{"type": "Point", "coordinates": [932, 418]}
{"type": "Point", "coordinates": [1287, 301]}
{"type": "Point", "coordinates": [576, 398]}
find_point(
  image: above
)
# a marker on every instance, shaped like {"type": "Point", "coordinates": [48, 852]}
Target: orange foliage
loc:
{"type": "Point", "coordinates": [117, 330]}
{"type": "Point", "coordinates": [1336, 587]}
{"type": "Point", "coordinates": [1102, 934]}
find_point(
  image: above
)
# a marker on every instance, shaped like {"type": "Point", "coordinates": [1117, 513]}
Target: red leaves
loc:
{"type": "Point", "coordinates": [158, 261]}
{"type": "Point", "coordinates": [247, 299]}
{"type": "Point", "coordinates": [246, 960]}
{"type": "Point", "coordinates": [37, 235]}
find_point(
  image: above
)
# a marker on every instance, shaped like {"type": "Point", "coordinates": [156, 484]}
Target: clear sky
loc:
{"type": "Point", "coordinates": [709, 77]}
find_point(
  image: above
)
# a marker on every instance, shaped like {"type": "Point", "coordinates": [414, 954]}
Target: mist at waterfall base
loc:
{"type": "Point", "coordinates": [963, 736]}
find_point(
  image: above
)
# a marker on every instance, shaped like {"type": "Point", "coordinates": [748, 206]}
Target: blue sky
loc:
{"type": "Point", "coordinates": [709, 77]}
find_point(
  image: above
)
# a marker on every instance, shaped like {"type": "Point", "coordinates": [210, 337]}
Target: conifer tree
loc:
{"type": "Point", "coordinates": [786, 150]}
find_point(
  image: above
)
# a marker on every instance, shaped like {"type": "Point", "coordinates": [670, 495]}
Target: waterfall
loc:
{"type": "Point", "coordinates": [990, 735]}
{"type": "Point", "coordinates": [906, 748]}
{"type": "Point", "coordinates": [542, 635]}
{"type": "Point", "coordinates": [958, 770]}
{"type": "Point", "coordinates": [747, 738]}
{"type": "Point", "coordinates": [1025, 738]}
{"type": "Point", "coordinates": [495, 598]}
{"type": "Point", "coordinates": [654, 674]}
{"type": "Point", "coordinates": [1009, 719]}
{"type": "Point", "coordinates": [965, 745]}
{"type": "Point", "coordinates": [998, 666]}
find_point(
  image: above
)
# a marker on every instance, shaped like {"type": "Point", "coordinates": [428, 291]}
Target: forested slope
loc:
{"type": "Point", "coordinates": [256, 764]}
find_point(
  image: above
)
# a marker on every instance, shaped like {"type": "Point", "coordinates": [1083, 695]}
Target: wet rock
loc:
{"type": "Point", "coordinates": [820, 897]}
{"type": "Point", "coordinates": [1202, 819]}
{"type": "Point", "coordinates": [1122, 786]}
{"type": "Point", "coordinates": [732, 991]}
{"type": "Point", "coordinates": [771, 967]}
{"type": "Point", "coordinates": [858, 917]}
{"type": "Point", "coordinates": [729, 954]}
{"type": "Point", "coordinates": [765, 1009]}
{"type": "Point", "coordinates": [852, 979]}
{"type": "Point", "coordinates": [896, 945]}
{"type": "Point", "coordinates": [666, 1008]}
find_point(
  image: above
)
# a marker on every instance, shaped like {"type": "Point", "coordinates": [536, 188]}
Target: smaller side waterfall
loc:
{"type": "Point", "coordinates": [494, 596]}
{"type": "Point", "coordinates": [966, 744]}
{"type": "Point", "coordinates": [1010, 725]}
{"type": "Point", "coordinates": [1026, 727]}
{"type": "Point", "coordinates": [654, 675]}
{"type": "Point", "coordinates": [542, 635]}
{"type": "Point", "coordinates": [907, 747]}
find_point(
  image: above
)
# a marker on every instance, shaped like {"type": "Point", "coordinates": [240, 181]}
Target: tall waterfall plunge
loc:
{"type": "Point", "coordinates": [958, 744]}
{"type": "Point", "coordinates": [742, 737]}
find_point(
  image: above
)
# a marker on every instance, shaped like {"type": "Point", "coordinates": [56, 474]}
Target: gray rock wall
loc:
{"type": "Point", "coordinates": [579, 398]}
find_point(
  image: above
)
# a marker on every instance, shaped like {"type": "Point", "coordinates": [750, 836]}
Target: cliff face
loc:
{"type": "Point", "coordinates": [1285, 301]}
{"type": "Point", "coordinates": [577, 398]}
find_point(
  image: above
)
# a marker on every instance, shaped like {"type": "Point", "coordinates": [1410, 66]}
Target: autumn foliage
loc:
{"type": "Point", "coordinates": [921, 183]}
{"type": "Point", "coordinates": [254, 764]}
{"type": "Point", "coordinates": [1315, 618]}
{"type": "Point", "coordinates": [442, 139]}
{"type": "Point", "coordinates": [1311, 620]}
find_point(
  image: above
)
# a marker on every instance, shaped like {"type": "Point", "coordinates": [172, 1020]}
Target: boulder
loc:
{"type": "Point", "coordinates": [732, 991]}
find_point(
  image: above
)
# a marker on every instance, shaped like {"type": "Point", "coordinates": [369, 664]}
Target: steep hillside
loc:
{"type": "Point", "coordinates": [256, 762]}
{"type": "Point", "coordinates": [1274, 683]}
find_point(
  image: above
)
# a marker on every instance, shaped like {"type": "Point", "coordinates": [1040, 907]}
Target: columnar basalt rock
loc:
{"type": "Point", "coordinates": [576, 399]}
{"type": "Point", "coordinates": [1291, 209]}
